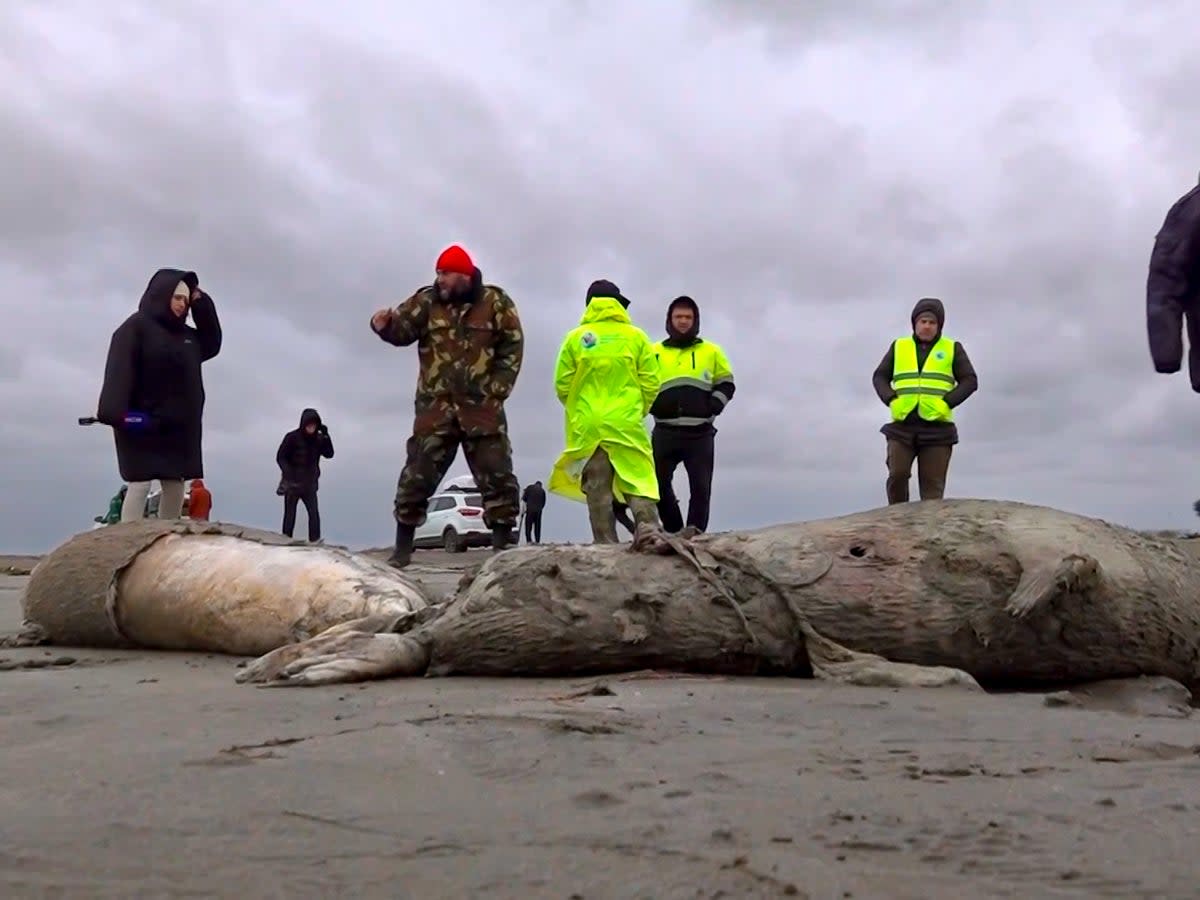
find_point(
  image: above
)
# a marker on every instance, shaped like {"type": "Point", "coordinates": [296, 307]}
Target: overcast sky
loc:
{"type": "Point", "coordinates": [806, 171]}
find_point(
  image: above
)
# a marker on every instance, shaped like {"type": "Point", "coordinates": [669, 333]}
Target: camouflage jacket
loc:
{"type": "Point", "coordinates": [470, 354]}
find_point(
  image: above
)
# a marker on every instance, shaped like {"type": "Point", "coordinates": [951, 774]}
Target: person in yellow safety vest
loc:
{"type": "Point", "coordinates": [697, 384]}
{"type": "Point", "coordinates": [606, 378]}
{"type": "Point", "coordinates": [922, 378]}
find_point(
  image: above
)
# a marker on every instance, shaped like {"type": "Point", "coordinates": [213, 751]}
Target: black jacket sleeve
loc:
{"type": "Point", "coordinates": [1171, 281]}
{"type": "Point", "coordinates": [326, 444]}
{"type": "Point", "coordinates": [208, 326]}
{"type": "Point", "coordinates": [964, 374]}
{"type": "Point", "coordinates": [120, 372]}
{"type": "Point", "coordinates": [283, 456]}
{"type": "Point", "coordinates": [882, 377]}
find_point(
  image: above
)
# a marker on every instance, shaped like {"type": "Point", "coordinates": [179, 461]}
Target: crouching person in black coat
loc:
{"type": "Point", "coordinates": [299, 459]}
{"type": "Point", "coordinates": [153, 393]}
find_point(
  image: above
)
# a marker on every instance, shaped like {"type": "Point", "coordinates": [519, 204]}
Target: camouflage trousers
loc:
{"type": "Point", "coordinates": [598, 488]}
{"type": "Point", "coordinates": [429, 457]}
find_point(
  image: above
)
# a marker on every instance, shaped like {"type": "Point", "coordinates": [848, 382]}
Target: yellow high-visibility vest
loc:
{"type": "Point", "coordinates": [923, 388]}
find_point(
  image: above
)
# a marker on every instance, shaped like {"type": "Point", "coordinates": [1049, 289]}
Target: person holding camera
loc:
{"type": "Point", "coordinates": [299, 458]}
{"type": "Point", "coordinates": [153, 391]}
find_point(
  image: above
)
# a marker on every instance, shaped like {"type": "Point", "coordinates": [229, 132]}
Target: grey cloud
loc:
{"type": "Point", "coordinates": [784, 25]}
{"type": "Point", "coordinates": [310, 166]}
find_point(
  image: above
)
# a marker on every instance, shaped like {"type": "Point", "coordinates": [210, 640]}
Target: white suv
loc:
{"type": "Point", "coordinates": [454, 521]}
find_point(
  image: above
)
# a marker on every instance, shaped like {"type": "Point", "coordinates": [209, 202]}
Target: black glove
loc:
{"type": "Point", "coordinates": [323, 429]}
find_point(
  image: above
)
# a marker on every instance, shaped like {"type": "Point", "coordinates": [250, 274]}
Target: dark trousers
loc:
{"type": "Point", "coordinates": [309, 498]}
{"type": "Point", "coordinates": [695, 450]}
{"type": "Point", "coordinates": [533, 526]}
{"type": "Point", "coordinates": [932, 465]}
{"type": "Point", "coordinates": [621, 514]}
{"type": "Point", "coordinates": [489, 458]}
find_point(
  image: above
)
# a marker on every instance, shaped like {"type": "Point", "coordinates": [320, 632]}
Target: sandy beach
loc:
{"type": "Point", "coordinates": [144, 774]}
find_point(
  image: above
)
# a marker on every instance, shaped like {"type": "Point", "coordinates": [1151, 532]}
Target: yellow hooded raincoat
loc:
{"type": "Point", "coordinates": [606, 379]}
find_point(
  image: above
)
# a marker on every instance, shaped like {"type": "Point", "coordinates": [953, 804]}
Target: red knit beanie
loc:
{"type": "Point", "coordinates": [455, 259]}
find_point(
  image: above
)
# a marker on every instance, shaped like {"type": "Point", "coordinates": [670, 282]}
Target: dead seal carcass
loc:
{"type": "Point", "coordinates": [954, 591]}
{"type": "Point", "coordinates": [206, 586]}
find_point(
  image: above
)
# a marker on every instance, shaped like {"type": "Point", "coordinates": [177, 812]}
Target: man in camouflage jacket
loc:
{"type": "Point", "coordinates": [470, 345]}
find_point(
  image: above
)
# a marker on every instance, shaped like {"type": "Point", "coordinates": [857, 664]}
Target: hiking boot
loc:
{"type": "Point", "coordinates": [501, 537]}
{"type": "Point", "coordinates": [402, 552]}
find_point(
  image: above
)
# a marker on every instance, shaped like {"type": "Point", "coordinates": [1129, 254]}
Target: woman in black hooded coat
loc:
{"type": "Point", "coordinates": [153, 393]}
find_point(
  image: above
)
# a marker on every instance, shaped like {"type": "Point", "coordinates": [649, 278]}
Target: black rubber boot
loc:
{"type": "Point", "coordinates": [402, 552]}
{"type": "Point", "coordinates": [501, 537]}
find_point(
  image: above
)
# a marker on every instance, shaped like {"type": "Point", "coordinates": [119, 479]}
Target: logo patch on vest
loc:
{"type": "Point", "coordinates": [588, 339]}
{"type": "Point", "coordinates": [939, 354]}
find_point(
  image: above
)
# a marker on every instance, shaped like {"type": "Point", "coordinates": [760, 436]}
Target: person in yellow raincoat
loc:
{"type": "Point", "coordinates": [606, 378]}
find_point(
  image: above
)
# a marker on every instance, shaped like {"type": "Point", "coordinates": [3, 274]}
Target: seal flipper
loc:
{"type": "Point", "coordinates": [30, 635]}
{"type": "Point", "coordinates": [1043, 582]}
{"type": "Point", "coordinates": [353, 656]}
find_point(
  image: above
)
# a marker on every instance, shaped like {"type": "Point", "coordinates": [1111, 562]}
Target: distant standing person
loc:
{"type": "Point", "coordinates": [1173, 289]}
{"type": "Point", "coordinates": [153, 392]}
{"type": "Point", "coordinates": [470, 344]}
{"type": "Point", "coordinates": [697, 385]}
{"type": "Point", "coordinates": [534, 499]}
{"type": "Point", "coordinates": [299, 459]}
{"type": "Point", "coordinates": [606, 378]}
{"type": "Point", "coordinates": [199, 501]}
{"type": "Point", "coordinates": [922, 378]}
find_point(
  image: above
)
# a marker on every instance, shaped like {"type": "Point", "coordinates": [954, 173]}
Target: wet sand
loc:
{"type": "Point", "coordinates": [144, 774]}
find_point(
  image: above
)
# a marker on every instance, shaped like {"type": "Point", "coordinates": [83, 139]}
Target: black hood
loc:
{"type": "Point", "coordinates": [156, 299]}
{"type": "Point", "coordinates": [602, 287]}
{"type": "Point", "coordinates": [309, 415]}
{"type": "Point", "coordinates": [682, 339]}
{"type": "Point", "coordinates": [933, 305]}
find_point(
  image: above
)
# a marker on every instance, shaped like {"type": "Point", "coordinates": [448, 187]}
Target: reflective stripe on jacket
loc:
{"type": "Point", "coordinates": [697, 383]}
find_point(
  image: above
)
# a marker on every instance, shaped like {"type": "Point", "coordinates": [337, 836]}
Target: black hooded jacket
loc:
{"type": "Point", "coordinates": [1173, 289]}
{"type": "Point", "coordinates": [914, 428]}
{"type": "Point", "coordinates": [299, 454]}
{"type": "Point", "coordinates": [534, 496]}
{"type": "Point", "coordinates": [153, 367]}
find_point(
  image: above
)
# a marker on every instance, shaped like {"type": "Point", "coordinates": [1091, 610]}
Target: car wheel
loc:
{"type": "Point", "coordinates": [451, 541]}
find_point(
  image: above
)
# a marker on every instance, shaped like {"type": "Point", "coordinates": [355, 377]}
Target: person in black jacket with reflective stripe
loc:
{"type": "Point", "coordinates": [1173, 289]}
{"type": "Point", "coordinates": [697, 385]}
